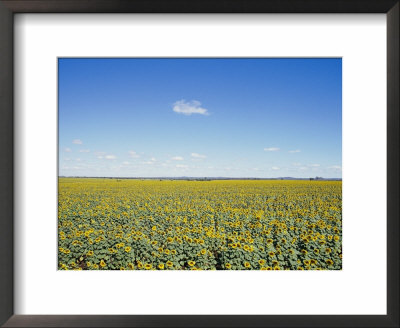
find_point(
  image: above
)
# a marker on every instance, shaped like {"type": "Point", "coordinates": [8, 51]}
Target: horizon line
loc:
{"type": "Point", "coordinates": [199, 177]}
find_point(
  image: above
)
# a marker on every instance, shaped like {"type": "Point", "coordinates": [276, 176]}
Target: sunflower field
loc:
{"type": "Point", "coordinates": [129, 224]}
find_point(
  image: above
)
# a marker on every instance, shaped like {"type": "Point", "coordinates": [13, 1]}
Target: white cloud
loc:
{"type": "Point", "coordinates": [294, 151]}
{"type": "Point", "coordinates": [84, 151]}
{"type": "Point", "coordinates": [314, 165]}
{"type": "Point", "coordinates": [77, 142]}
{"type": "Point", "coordinates": [71, 168]}
{"type": "Point", "coordinates": [196, 155]}
{"type": "Point", "coordinates": [271, 149]}
{"type": "Point", "coordinates": [148, 163]}
{"type": "Point", "coordinates": [335, 167]}
{"type": "Point", "coordinates": [68, 150]}
{"type": "Point", "coordinates": [133, 154]}
{"type": "Point", "coordinates": [153, 159]}
{"type": "Point", "coordinates": [177, 158]}
{"type": "Point", "coordinates": [125, 163]}
{"type": "Point", "coordinates": [189, 108]}
{"type": "Point", "coordinates": [275, 168]}
{"type": "Point", "coordinates": [181, 166]}
{"type": "Point", "coordinates": [296, 164]}
{"type": "Point", "coordinates": [110, 157]}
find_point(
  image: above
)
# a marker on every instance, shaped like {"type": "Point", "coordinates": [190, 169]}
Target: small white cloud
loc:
{"type": "Point", "coordinates": [314, 165]}
{"type": "Point", "coordinates": [189, 107]}
{"type": "Point", "coordinates": [100, 157]}
{"type": "Point", "coordinates": [196, 155]}
{"type": "Point", "coordinates": [71, 168]}
{"type": "Point", "coordinates": [296, 164]}
{"type": "Point", "coordinates": [133, 154]}
{"type": "Point", "coordinates": [275, 168]}
{"type": "Point", "coordinates": [271, 149]}
{"type": "Point", "coordinates": [177, 158]}
{"type": "Point", "coordinates": [181, 166]}
{"type": "Point", "coordinates": [84, 151]}
{"type": "Point", "coordinates": [77, 142]}
{"type": "Point", "coordinates": [153, 159]}
{"type": "Point", "coordinates": [125, 163]}
{"type": "Point", "coordinates": [68, 150]}
{"type": "Point", "coordinates": [148, 163]}
{"type": "Point", "coordinates": [335, 167]}
{"type": "Point", "coordinates": [294, 151]}
{"type": "Point", "coordinates": [110, 157]}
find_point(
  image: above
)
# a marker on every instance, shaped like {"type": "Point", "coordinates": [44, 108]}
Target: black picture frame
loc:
{"type": "Point", "coordinates": [10, 7]}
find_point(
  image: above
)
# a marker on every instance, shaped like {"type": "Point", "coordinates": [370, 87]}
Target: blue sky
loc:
{"type": "Point", "coordinates": [200, 117]}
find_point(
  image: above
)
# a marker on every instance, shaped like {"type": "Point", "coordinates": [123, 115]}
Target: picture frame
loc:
{"type": "Point", "coordinates": [10, 7]}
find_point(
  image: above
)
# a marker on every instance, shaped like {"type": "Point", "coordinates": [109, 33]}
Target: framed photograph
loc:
{"type": "Point", "coordinates": [160, 158]}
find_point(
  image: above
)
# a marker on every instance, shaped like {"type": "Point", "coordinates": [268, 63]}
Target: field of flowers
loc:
{"type": "Point", "coordinates": [110, 224]}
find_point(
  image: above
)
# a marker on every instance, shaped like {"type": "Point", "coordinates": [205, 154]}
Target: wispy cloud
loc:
{"type": "Point", "coordinates": [181, 166]}
{"type": "Point", "coordinates": [314, 165]}
{"type": "Point", "coordinates": [189, 107]}
{"type": "Point", "coordinates": [294, 151]}
{"type": "Point", "coordinates": [271, 149]}
{"type": "Point", "coordinates": [275, 168]}
{"type": "Point", "coordinates": [68, 150]}
{"type": "Point", "coordinates": [177, 158]}
{"type": "Point", "coordinates": [71, 168]}
{"type": "Point", "coordinates": [196, 155]}
{"type": "Point", "coordinates": [133, 154]}
{"type": "Point", "coordinates": [335, 167]}
{"type": "Point", "coordinates": [110, 157]}
{"type": "Point", "coordinates": [125, 163]}
{"type": "Point", "coordinates": [84, 151]}
{"type": "Point", "coordinates": [77, 142]}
